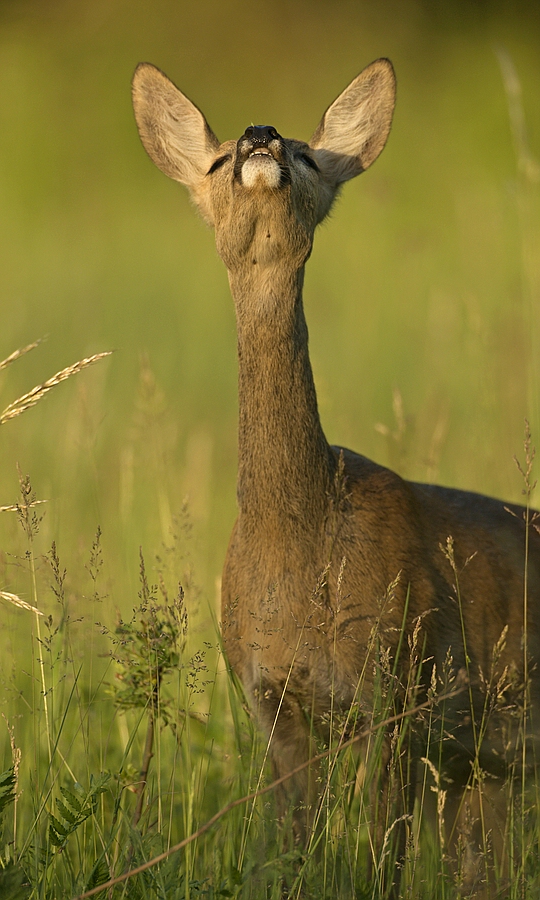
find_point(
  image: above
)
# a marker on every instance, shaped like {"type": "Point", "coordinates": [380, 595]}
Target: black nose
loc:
{"type": "Point", "coordinates": [260, 135]}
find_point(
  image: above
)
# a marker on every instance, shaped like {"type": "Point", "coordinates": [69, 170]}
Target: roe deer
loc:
{"type": "Point", "coordinates": [316, 519]}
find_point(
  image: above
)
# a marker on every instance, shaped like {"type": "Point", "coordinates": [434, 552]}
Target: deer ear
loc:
{"type": "Point", "coordinates": [174, 132]}
{"type": "Point", "coordinates": [354, 128]}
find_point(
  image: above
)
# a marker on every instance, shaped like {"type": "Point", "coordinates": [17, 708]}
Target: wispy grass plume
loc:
{"type": "Point", "coordinates": [21, 404]}
{"type": "Point", "coordinates": [18, 353]}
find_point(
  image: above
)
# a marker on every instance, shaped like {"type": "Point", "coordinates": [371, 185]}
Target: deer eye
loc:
{"type": "Point", "coordinates": [218, 163]}
{"type": "Point", "coordinates": [309, 161]}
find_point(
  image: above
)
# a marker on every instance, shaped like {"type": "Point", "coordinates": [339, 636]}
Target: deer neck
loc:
{"type": "Point", "coordinates": [284, 467]}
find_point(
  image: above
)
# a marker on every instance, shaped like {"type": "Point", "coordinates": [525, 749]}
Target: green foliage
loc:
{"type": "Point", "coordinates": [8, 783]}
{"type": "Point", "coordinates": [98, 875]}
{"type": "Point", "coordinates": [14, 883]}
{"type": "Point", "coordinates": [78, 805]}
{"type": "Point", "coordinates": [13, 880]}
{"type": "Point", "coordinates": [149, 647]}
{"type": "Point", "coordinates": [8, 787]}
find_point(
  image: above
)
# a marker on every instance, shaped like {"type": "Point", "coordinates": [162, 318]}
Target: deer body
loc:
{"type": "Point", "coordinates": [322, 532]}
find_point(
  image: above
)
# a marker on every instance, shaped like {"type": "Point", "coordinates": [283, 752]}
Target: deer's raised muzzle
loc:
{"type": "Point", "coordinates": [260, 158]}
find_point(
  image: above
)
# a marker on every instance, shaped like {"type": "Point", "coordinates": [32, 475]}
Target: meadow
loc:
{"type": "Point", "coordinates": [122, 733]}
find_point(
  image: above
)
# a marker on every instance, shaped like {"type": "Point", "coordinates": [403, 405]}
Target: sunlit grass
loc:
{"type": "Point", "coordinates": [125, 743]}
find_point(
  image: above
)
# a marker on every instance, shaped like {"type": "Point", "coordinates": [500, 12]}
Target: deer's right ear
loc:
{"type": "Point", "coordinates": [174, 132]}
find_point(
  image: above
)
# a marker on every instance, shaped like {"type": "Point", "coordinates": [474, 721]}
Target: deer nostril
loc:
{"type": "Point", "coordinates": [260, 135]}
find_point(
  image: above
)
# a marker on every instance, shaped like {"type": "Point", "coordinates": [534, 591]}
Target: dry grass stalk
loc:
{"type": "Point", "coordinates": [18, 507]}
{"type": "Point", "coordinates": [32, 397]}
{"type": "Point", "coordinates": [22, 604]}
{"type": "Point", "coordinates": [18, 353]}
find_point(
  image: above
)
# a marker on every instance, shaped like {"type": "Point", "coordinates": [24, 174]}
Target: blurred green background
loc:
{"type": "Point", "coordinates": [422, 295]}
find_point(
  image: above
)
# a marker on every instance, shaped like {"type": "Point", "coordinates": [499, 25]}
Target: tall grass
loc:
{"type": "Point", "coordinates": [127, 759]}
{"type": "Point", "coordinates": [147, 774]}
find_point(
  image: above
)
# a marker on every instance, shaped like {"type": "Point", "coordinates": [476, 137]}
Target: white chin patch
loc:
{"type": "Point", "coordinates": [261, 167]}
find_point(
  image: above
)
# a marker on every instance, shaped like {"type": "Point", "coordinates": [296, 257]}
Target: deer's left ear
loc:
{"type": "Point", "coordinates": [354, 128]}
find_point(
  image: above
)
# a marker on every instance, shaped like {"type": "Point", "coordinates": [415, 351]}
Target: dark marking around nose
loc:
{"type": "Point", "coordinates": [260, 135]}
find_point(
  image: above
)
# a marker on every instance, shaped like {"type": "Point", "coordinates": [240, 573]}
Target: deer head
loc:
{"type": "Point", "coordinates": [264, 194]}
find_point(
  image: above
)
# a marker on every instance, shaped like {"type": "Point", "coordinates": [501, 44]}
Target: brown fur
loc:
{"type": "Point", "coordinates": [305, 507]}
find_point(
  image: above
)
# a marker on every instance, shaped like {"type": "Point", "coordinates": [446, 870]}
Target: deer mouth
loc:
{"type": "Point", "coordinates": [260, 158]}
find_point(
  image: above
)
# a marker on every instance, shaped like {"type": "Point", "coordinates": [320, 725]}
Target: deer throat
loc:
{"type": "Point", "coordinates": [284, 466]}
